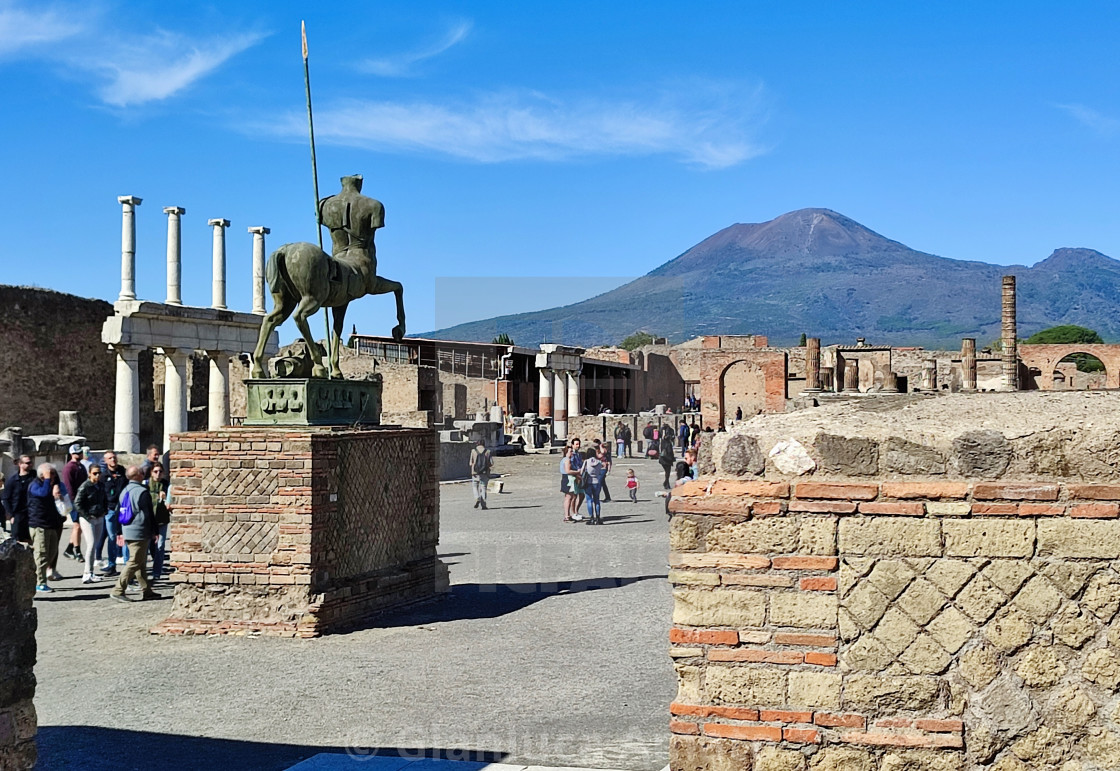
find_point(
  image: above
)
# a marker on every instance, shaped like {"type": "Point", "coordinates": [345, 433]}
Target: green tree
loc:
{"type": "Point", "coordinates": [1071, 334]}
{"type": "Point", "coordinates": [1064, 335]}
{"type": "Point", "coordinates": [801, 344]}
{"type": "Point", "coordinates": [503, 339]}
{"type": "Point", "coordinates": [636, 340]}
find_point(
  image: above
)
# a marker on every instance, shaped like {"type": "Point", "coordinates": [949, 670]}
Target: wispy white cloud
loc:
{"type": "Point", "coordinates": [401, 65]}
{"type": "Point", "coordinates": [84, 42]}
{"type": "Point", "coordinates": [161, 65]}
{"type": "Point", "coordinates": [26, 28]}
{"type": "Point", "coordinates": [1087, 116]}
{"type": "Point", "coordinates": [707, 126]}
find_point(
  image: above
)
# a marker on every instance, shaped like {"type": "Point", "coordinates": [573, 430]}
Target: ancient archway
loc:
{"type": "Point", "coordinates": [743, 387]}
{"type": "Point", "coordinates": [1046, 358]}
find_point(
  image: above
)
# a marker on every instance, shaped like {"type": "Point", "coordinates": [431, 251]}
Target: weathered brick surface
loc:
{"type": "Point", "coordinates": [18, 723]}
{"type": "Point", "coordinates": [301, 531]}
{"type": "Point", "coordinates": [888, 621]}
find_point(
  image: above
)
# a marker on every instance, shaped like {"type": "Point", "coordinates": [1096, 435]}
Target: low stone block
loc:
{"type": "Point", "coordinates": [1079, 539]}
{"type": "Point", "coordinates": [731, 607]}
{"type": "Point", "coordinates": [816, 611]}
{"type": "Point", "coordinates": [988, 538]}
{"type": "Point", "coordinates": [890, 537]}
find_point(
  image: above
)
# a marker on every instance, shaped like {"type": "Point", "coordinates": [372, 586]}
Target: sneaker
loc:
{"type": "Point", "coordinates": [483, 505]}
{"type": "Point", "coordinates": [86, 577]}
{"type": "Point", "coordinates": [101, 564]}
{"type": "Point", "coordinates": [43, 589]}
{"type": "Point", "coordinates": [77, 555]}
{"type": "Point", "coordinates": [120, 560]}
{"type": "Point", "coordinates": [69, 550]}
{"type": "Point", "coordinates": [119, 597]}
{"type": "Point", "coordinates": [108, 572]}
{"type": "Point", "coordinates": [476, 502]}
{"type": "Point", "coordinates": [151, 596]}
{"type": "Point", "coordinates": [93, 579]}
{"type": "Point", "coordinates": [55, 576]}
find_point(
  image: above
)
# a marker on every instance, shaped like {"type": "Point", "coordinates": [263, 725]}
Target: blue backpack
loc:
{"type": "Point", "coordinates": [125, 514]}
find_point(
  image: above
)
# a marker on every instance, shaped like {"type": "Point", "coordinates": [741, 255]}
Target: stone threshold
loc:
{"type": "Point", "coordinates": [329, 761]}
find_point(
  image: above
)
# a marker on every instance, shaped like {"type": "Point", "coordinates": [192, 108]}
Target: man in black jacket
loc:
{"type": "Point", "coordinates": [114, 481]}
{"type": "Point", "coordinates": [15, 499]}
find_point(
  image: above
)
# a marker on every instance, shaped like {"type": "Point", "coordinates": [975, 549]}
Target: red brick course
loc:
{"type": "Point", "coordinates": [843, 491]}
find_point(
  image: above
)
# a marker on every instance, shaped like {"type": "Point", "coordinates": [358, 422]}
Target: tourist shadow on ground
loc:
{"type": "Point", "coordinates": [93, 748]}
{"type": "Point", "coordinates": [477, 601]}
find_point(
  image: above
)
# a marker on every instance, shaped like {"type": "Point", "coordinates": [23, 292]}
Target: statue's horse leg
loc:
{"type": "Point", "coordinates": [307, 308]}
{"type": "Point", "coordinates": [384, 286]}
{"type": "Point", "coordinates": [282, 307]}
{"type": "Point", "coordinates": [339, 313]}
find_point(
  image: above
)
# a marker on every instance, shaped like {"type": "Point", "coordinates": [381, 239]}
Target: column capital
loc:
{"type": "Point", "coordinates": [129, 200]}
{"type": "Point", "coordinates": [174, 210]}
{"type": "Point", "coordinates": [260, 229]}
{"type": "Point", "coordinates": [218, 223]}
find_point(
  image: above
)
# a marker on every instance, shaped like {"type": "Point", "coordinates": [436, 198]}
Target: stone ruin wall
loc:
{"type": "Point", "coordinates": [855, 617]}
{"type": "Point", "coordinates": [18, 722]}
{"type": "Point", "coordinates": [52, 359]}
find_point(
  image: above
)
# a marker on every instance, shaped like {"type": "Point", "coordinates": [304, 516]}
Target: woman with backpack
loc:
{"type": "Point", "coordinates": [92, 504]}
{"type": "Point", "coordinates": [593, 472]}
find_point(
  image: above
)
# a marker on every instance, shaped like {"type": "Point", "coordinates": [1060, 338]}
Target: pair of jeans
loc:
{"type": "Point", "coordinates": [593, 490]}
{"type": "Point", "coordinates": [112, 530]}
{"type": "Point", "coordinates": [159, 553]}
{"type": "Point", "coordinates": [621, 444]}
{"type": "Point", "coordinates": [137, 562]}
{"type": "Point", "coordinates": [44, 542]}
{"type": "Point", "coordinates": [479, 483]}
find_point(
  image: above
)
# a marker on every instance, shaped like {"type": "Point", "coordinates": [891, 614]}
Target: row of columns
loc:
{"type": "Point", "coordinates": [174, 256]}
{"type": "Point", "coordinates": [559, 398]}
{"type": "Point", "coordinates": [175, 399]}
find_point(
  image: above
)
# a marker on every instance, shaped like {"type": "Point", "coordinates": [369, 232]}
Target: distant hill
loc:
{"type": "Point", "coordinates": [821, 273]}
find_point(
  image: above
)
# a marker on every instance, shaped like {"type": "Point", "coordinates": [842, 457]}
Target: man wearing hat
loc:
{"type": "Point", "coordinates": [73, 474]}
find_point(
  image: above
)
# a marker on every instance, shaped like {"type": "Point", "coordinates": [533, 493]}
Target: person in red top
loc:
{"type": "Point", "coordinates": [73, 474]}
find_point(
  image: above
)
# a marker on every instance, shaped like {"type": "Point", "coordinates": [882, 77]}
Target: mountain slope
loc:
{"type": "Point", "coordinates": [821, 273]}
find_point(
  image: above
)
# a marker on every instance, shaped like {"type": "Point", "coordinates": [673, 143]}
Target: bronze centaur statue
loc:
{"type": "Point", "coordinates": [303, 278]}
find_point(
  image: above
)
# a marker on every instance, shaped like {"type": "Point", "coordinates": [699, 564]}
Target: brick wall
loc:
{"type": "Point", "coordinates": [51, 359]}
{"type": "Point", "coordinates": [877, 624]}
{"type": "Point", "coordinates": [18, 722]}
{"type": "Point", "coordinates": [301, 531]}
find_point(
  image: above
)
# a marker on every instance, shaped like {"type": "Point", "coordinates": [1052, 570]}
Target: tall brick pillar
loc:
{"type": "Point", "coordinates": [813, 364]}
{"type": "Point", "coordinates": [968, 363]}
{"type": "Point", "coordinates": [1010, 337]}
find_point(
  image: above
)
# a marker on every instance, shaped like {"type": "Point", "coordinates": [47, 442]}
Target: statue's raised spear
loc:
{"type": "Point", "coordinates": [314, 168]}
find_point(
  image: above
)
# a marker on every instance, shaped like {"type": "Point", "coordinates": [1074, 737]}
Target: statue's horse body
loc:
{"type": "Point", "coordinates": [303, 278]}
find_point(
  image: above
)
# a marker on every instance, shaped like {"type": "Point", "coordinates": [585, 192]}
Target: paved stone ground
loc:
{"type": "Point", "coordinates": [550, 650]}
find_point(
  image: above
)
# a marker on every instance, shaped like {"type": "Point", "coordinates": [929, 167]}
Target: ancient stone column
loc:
{"type": "Point", "coordinates": [828, 380]}
{"type": "Point", "coordinates": [174, 254]}
{"type": "Point", "coordinates": [574, 407]}
{"type": "Point", "coordinates": [544, 403]}
{"type": "Point", "coordinates": [174, 393]}
{"type": "Point", "coordinates": [219, 293]}
{"type": "Point", "coordinates": [258, 268]}
{"type": "Point", "coordinates": [929, 375]}
{"type": "Point", "coordinates": [560, 405]}
{"type": "Point", "coordinates": [1010, 337]}
{"type": "Point", "coordinates": [126, 415]}
{"type": "Point", "coordinates": [968, 363]}
{"type": "Point", "coordinates": [128, 246]}
{"type": "Point", "coordinates": [851, 376]}
{"type": "Point", "coordinates": [217, 409]}
{"type": "Point", "coordinates": [812, 364]}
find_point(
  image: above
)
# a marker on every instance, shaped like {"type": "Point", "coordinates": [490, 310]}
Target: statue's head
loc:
{"type": "Point", "coordinates": [352, 182]}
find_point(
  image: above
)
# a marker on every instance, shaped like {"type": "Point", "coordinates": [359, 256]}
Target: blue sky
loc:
{"type": "Point", "coordinates": [516, 140]}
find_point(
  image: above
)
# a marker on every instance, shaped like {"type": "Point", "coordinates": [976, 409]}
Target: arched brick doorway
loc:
{"type": "Point", "coordinates": [1042, 360]}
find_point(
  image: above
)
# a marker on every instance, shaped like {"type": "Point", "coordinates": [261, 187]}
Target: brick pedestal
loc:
{"type": "Point", "coordinates": [17, 657]}
{"type": "Point", "coordinates": [301, 531]}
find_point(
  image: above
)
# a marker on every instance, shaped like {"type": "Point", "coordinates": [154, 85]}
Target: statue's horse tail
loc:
{"type": "Point", "coordinates": [276, 272]}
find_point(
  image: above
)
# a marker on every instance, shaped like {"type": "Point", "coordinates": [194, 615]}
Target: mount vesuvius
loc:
{"type": "Point", "coordinates": [821, 273]}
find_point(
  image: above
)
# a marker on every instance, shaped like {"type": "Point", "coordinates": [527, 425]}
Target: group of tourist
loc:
{"type": "Point", "coordinates": [118, 517]}
{"type": "Point", "coordinates": [583, 476]}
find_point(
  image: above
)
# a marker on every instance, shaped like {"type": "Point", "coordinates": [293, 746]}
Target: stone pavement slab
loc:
{"type": "Point", "coordinates": [335, 762]}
